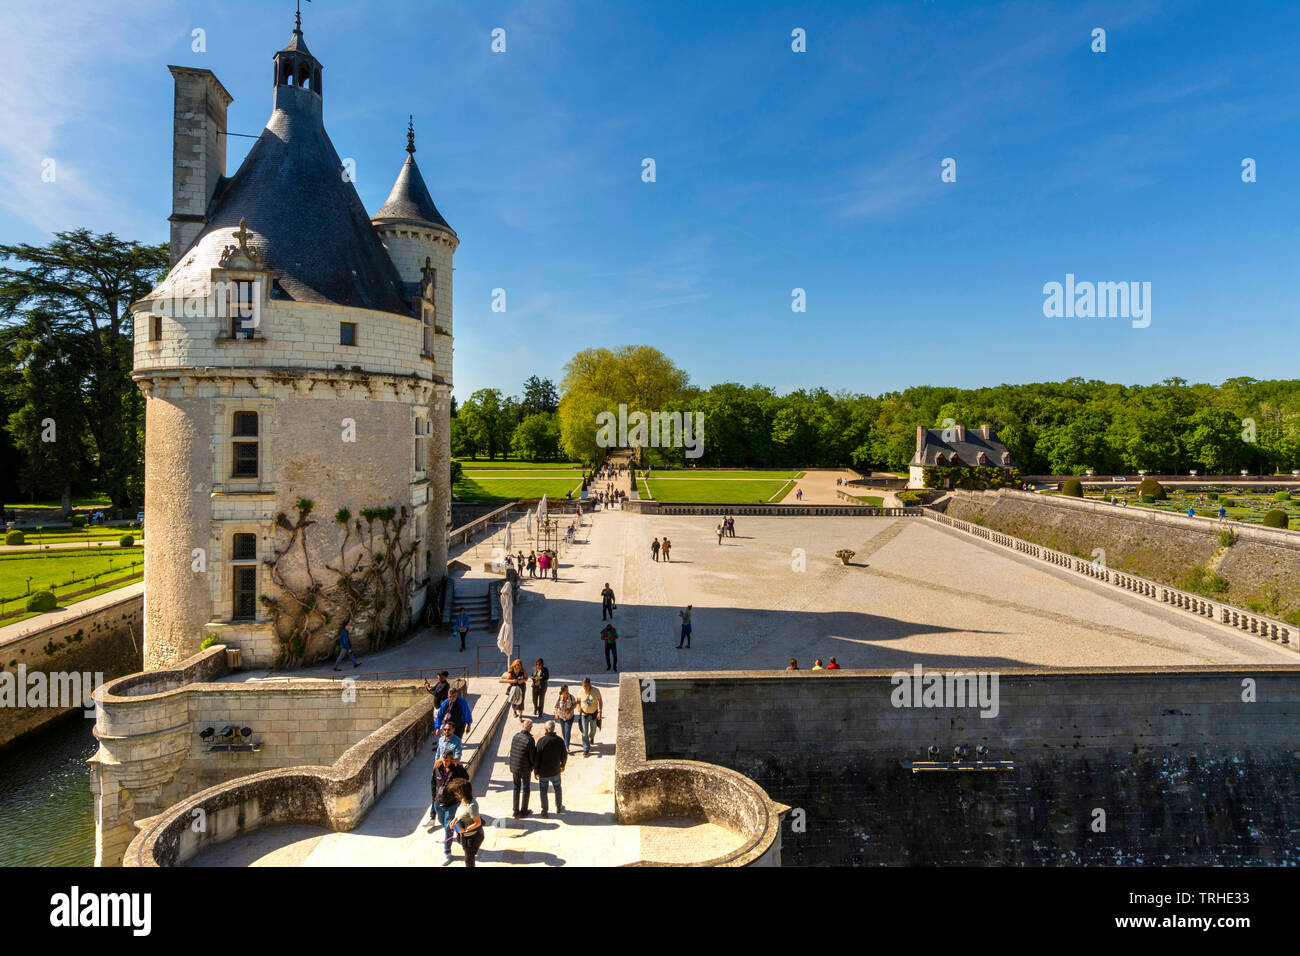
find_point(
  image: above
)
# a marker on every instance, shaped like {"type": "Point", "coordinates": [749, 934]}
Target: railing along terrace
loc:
{"type": "Point", "coordinates": [1185, 601]}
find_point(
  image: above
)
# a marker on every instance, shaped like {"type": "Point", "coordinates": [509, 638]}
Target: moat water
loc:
{"type": "Point", "coordinates": [46, 808]}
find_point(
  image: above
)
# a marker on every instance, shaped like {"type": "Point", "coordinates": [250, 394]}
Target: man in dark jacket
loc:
{"type": "Point", "coordinates": [523, 764]}
{"type": "Point", "coordinates": [552, 756]}
{"type": "Point", "coordinates": [440, 689]}
{"type": "Point", "coordinates": [446, 769]}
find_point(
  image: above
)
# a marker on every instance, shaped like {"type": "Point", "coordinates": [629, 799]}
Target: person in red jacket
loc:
{"type": "Point", "coordinates": [832, 666]}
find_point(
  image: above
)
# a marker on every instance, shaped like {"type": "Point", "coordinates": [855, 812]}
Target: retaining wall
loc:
{"type": "Point", "coordinates": [1184, 770]}
{"type": "Point", "coordinates": [106, 641]}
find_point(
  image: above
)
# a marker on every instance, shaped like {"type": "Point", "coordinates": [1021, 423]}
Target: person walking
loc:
{"type": "Point", "coordinates": [555, 567]}
{"type": "Point", "coordinates": [543, 564]}
{"type": "Point", "coordinates": [345, 647]}
{"type": "Point", "coordinates": [606, 602]}
{"type": "Point", "coordinates": [565, 705]}
{"type": "Point", "coordinates": [532, 564]}
{"type": "Point", "coordinates": [731, 526]}
{"type": "Point", "coordinates": [799, 494]}
{"type": "Point", "coordinates": [541, 676]}
{"type": "Point", "coordinates": [665, 548]}
{"type": "Point", "coordinates": [446, 741]}
{"type": "Point", "coordinates": [523, 764]}
{"type": "Point", "coordinates": [686, 628]}
{"type": "Point", "coordinates": [654, 549]}
{"type": "Point", "coordinates": [440, 689]}
{"type": "Point", "coordinates": [456, 710]}
{"type": "Point", "coordinates": [462, 626]}
{"type": "Point", "coordinates": [467, 824]}
{"type": "Point", "coordinates": [552, 756]}
{"type": "Point", "coordinates": [446, 770]}
{"type": "Point", "coordinates": [590, 711]}
{"type": "Point", "coordinates": [719, 534]}
{"type": "Point", "coordinates": [515, 681]}
{"type": "Point", "coordinates": [609, 635]}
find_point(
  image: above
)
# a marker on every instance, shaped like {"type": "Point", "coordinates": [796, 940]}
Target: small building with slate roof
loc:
{"type": "Point", "coordinates": [955, 446]}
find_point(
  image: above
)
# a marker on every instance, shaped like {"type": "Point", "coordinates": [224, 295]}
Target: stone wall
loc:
{"type": "Point", "coordinates": [103, 642]}
{"type": "Point", "coordinates": [1184, 770]}
{"type": "Point", "coordinates": [1156, 545]}
{"type": "Point", "coordinates": [151, 754]}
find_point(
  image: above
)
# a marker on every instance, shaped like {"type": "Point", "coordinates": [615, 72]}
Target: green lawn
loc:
{"type": "Point", "coordinates": [714, 491]}
{"type": "Point", "coordinates": [93, 501]}
{"type": "Point", "coordinates": [52, 571]}
{"type": "Point", "coordinates": [478, 464]}
{"type": "Point", "coordinates": [477, 474]}
{"type": "Point", "coordinates": [468, 489]}
{"type": "Point", "coordinates": [691, 474]}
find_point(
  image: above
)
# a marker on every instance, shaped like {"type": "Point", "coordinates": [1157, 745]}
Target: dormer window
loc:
{"type": "Point", "coordinates": [241, 308]}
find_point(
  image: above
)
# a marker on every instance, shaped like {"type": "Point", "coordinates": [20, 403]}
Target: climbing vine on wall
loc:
{"type": "Point", "coordinates": [373, 591]}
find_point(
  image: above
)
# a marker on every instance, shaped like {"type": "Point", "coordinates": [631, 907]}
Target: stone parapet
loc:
{"type": "Point", "coordinates": [649, 789]}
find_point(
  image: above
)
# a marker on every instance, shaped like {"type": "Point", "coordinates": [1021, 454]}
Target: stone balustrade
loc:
{"type": "Point", "coordinates": [1274, 630]}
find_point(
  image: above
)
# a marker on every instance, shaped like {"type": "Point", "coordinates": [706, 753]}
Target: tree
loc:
{"type": "Point", "coordinates": [600, 380]}
{"type": "Point", "coordinates": [537, 437]}
{"type": "Point", "coordinates": [65, 309]}
{"type": "Point", "coordinates": [539, 396]}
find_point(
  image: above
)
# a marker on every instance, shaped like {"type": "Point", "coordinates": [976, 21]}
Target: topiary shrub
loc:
{"type": "Point", "coordinates": [15, 537]}
{"type": "Point", "coordinates": [1212, 495]}
{"type": "Point", "coordinates": [1150, 488]}
{"type": "Point", "coordinates": [1228, 502]}
{"type": "Point", "coordinates": [1275, 518]}
{"type": "Point", "coordinates": [1073, 488]}
{"type": "Point", "coordinates": [1282, 496]}
{"type": "Point", "coordinates": [78, 521]}
{"type": "Point", "coordinates": [126, 540]}
{"type": "Point", "coordinates": [42, 601]}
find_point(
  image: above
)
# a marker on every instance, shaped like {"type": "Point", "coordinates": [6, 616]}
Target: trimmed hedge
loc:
{"type": "Point", "coordinates": [1282, 496]}
{"type": "Point", "coordinates": [42, 601]}
{"type": "Point", "coordinates": [1276, 518]}
{"type": "Point", "coordinates": [1150, 488]}
{"type": "Point", "coordinates": [126, 540]}
{"type": "Point", "coordinates": [1072, 488]}
{"type": "Point", "coordinates": [15, 537]}
{"type": "Point", "coordinates": [78, 521]}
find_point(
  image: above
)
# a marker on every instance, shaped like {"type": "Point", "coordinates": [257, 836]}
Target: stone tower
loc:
{"type": "Point", "coordinates": [286, 362]}
{"type": "Point", "coordinates": [421, 245]}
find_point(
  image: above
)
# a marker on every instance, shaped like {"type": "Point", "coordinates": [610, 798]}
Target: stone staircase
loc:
{"type": "Point", "coordinates": [476, 605]}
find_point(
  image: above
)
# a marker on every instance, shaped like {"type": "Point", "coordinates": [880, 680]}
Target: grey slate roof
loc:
{"type": "Point", "coordinates": [410, 201]}
{"type": "Point", "coordinates": [307, 221]}
{"type": "Point", "coordinates": [967, 451]}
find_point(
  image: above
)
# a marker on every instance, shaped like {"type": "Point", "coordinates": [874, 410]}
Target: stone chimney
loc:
{"type": "Point", "coordinates": [961, 432]}
{"type": "Point", "coordinates": [920, 438]}
{"type": "Point", "coordinates": [985, 431]}
{"type": "Point", "coordinates": [198, 152]}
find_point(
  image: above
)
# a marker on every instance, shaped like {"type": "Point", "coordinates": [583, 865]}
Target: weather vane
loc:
{"type": "Point", "coordinates": [297, 16]}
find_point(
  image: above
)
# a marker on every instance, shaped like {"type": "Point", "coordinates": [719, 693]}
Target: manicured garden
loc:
{"type": "Point", "coordinates": [66, 573]}
{"type": "Point", "coordinates": [1249, 507]}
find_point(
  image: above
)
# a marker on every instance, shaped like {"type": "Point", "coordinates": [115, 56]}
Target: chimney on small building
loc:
{"type": "Point", "coordinates": [961, 432]}
{"type": "Point", "coordinates": [985, 431]}
{"type": "Point", "coordinates": [920, 439]}
{"type": "Point", "coordinates": [198, 152]}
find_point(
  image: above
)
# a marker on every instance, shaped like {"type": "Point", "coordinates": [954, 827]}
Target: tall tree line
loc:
{"type": "Point", "coordinates": [491, 425]}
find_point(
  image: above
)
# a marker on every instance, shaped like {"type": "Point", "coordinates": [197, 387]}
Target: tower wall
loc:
{"type": "Point", "coordinates": [409, 246]}
{"type": "Point", "coordinates": [340, 437]}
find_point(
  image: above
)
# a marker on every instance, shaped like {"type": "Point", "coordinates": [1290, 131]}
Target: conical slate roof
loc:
{"type": "Point", "coordinates": [304, 216]}
{"type": "Point", "coordinates": [410, 201]}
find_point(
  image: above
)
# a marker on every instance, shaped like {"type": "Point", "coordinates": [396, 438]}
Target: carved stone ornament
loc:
{"type": "Point", "coordinates": [241, 256]}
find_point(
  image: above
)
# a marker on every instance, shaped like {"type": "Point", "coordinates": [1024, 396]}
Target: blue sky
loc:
{"type": "Point", "coordinates": [775, 170]}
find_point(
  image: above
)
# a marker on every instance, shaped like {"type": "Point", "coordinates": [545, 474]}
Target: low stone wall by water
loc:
{"type": "Point", "coordinates": [105, 641]}
{"type": "Point", "coordinates": [151, 754]}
